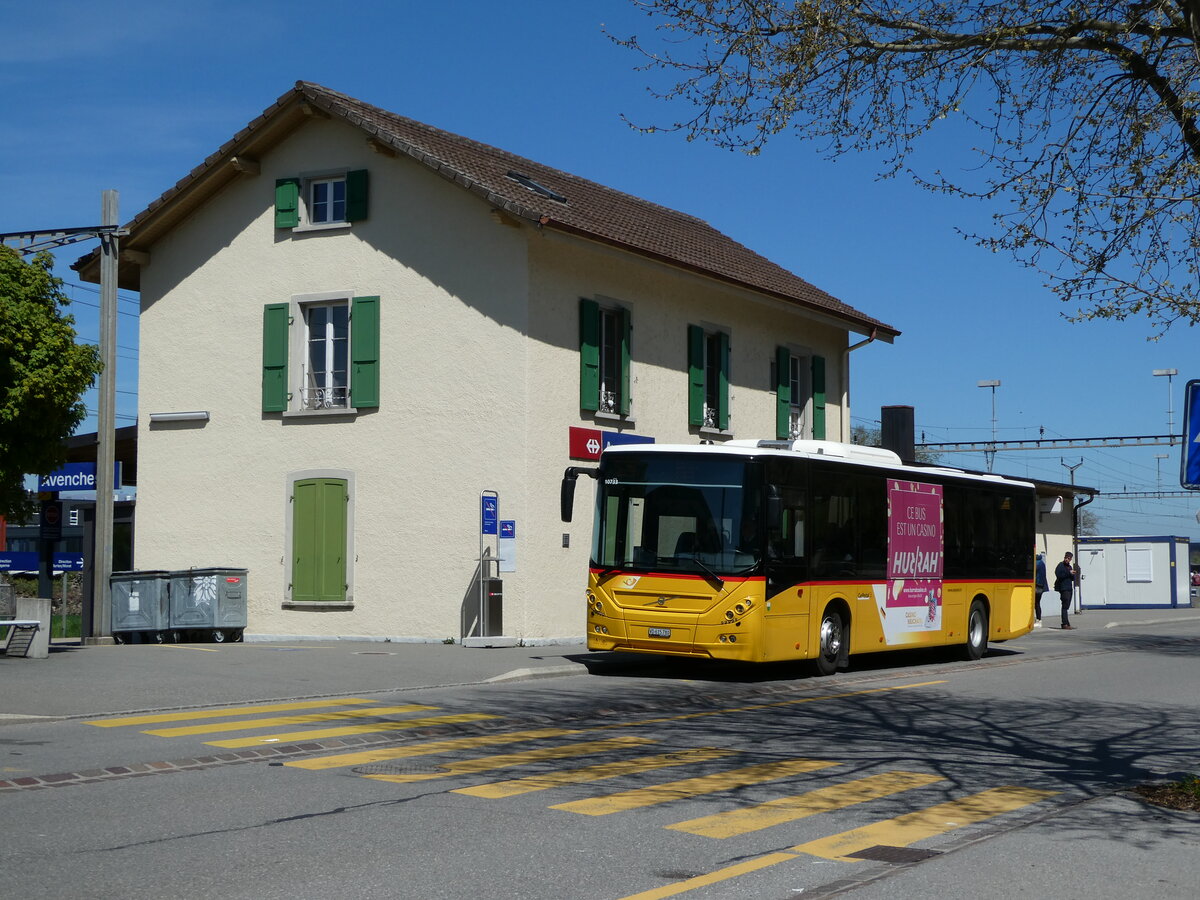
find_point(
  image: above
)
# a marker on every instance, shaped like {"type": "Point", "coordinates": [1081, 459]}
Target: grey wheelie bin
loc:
{"type": "Point", "coordinates": [140, 610]}
{"type": "Point", "coordinates": [209, 603]}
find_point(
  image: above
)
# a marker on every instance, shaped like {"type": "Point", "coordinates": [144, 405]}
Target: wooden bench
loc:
{"type": "Point", "coordinates": [20, 635]}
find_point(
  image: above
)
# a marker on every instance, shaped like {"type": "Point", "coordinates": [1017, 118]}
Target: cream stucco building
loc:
{"type": "Point", "coordinates": [384, 321]}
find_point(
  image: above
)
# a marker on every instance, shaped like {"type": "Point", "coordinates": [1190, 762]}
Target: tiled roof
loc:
{"type": "Point", "coordinates": [548, 197]}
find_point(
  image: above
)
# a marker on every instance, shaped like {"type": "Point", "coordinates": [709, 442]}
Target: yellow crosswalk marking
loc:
{"type": "Point", "coordinates": [789, 809]}
{"type": "Point", "coordinates": [499, 789]}
{"type": "Point", "coordinates": [194, 714]}
{"type": "Point", "coordinates": [898, 832]}
{"type": "Point", "coordinates": [924, 823]}
{"type": "Point", "coordinates": [426, 748]}
{"type": "Point", "coordinates": [308, 719]}
{"type": "Point", "coordinates": [373, 728]}
{"type": "Point", "coordinates": [704, 784]}
{"type": "Point", "coordinates": [699, 881]}
{"type": "Point", "coordinates": [504, 761]}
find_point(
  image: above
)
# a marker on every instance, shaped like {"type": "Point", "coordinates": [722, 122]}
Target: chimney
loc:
{"type": "Point", "coordinates": [896, 431]}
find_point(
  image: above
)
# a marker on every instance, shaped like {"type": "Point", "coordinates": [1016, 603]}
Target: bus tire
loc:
{"type": "Point", "coordinates": [832, 639]}
{"type": "Point", "coordinates": [977, 631]}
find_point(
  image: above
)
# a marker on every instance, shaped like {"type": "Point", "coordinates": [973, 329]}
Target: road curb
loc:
{"type": "Point", "coordinates": [529, 674]}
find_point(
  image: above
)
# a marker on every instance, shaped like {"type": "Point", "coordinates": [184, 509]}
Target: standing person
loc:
{"type": "Point", "coordinates": [1064, 583]}
{"type": "Point", "coordinates": [1040, 586]}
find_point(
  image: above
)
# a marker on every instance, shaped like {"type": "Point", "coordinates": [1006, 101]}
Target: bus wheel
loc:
{"type": "Point", "coordinates": [833, 634]}
{"type": "Point", "coordinates": [977, 631]}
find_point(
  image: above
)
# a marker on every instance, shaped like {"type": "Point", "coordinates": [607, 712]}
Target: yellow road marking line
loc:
{"type": "Point", "coordinates": [758, 706]}
{"type": "Point", "coordinates": [689, 787]}
{"type": "Point", "coordinates": [499, 789]}
{"type": "Point", "coordinates": [789, 809]}
{"type": "Point", "coordinates": [373, 728]}
{"type": "Point", "coordinates": [504, 761]}
{"type": "Point", "coordinates": [188, 715]}
{"type": "Point", "coordinates": [308, 719]}
{"type": "Point", "coordinates": [966, 812]}
{"type": "Point", "coordinates": [426, 749]}
{"type": "Point", "coordinates": [679, 887]}
{"type": "Point", "coordinates": [924, 823]}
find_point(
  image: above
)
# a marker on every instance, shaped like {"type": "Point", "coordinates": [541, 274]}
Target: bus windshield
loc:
{"type": "Point", "coordinates": [680, 512]}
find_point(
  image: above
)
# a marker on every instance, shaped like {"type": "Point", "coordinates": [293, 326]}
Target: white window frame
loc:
{"type": "Point", "coordinates": [301, 401]}
{"type": "Point", "coordinates": [308, 182]}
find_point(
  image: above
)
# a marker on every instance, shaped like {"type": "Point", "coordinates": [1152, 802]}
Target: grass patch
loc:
{"type": "Point", "coordinates": [1183, 794]}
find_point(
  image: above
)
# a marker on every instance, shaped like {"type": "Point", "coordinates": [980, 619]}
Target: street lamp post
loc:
{"type": "Point", "coordinates": [1169, 373]}
{"type": "Point", "coordinates": [991, 454]}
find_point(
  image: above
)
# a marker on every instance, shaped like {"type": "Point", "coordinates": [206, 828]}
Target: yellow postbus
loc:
{"type": "Point", "coordinates": [765, 551]}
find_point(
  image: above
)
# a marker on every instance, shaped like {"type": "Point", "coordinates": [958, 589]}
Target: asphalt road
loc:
{"type": "Point", "coordinates": [908, 776]}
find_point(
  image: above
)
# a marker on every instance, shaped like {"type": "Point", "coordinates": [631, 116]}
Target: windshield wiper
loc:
{"type": "Point", "coordinates": [713, 575]}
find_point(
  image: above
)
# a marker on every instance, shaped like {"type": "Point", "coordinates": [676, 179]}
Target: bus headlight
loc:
{"type": "Point", "coordinates": [729, 615]}
{"type": "Point", "coordinates": [740, 609]}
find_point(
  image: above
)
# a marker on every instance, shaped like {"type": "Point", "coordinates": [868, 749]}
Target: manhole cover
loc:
{"type": "Point", "coordinates": [398, 769]}
{"type": "Point", "coordinates": [886, 854]}
{"type": "Point", "coordinates": [373, 653]}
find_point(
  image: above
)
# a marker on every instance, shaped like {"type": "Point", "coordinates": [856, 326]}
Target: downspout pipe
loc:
{"type": "Point", "coordinates": [846, 382]}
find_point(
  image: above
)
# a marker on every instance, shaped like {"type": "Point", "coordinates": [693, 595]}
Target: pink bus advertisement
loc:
{"type": "Point", "coordinates": [912, 604]}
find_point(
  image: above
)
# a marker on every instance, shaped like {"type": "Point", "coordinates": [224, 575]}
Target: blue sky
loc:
{"type": "Point", "coordinates": [132, 95]}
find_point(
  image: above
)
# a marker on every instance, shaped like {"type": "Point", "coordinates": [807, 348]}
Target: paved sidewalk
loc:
{"type": "Point", "coordinates": [94, 680]}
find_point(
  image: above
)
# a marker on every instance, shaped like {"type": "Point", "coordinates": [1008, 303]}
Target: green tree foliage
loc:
{"type": "Point", "coordinates": [43, 374]}
{"type": "Point", "coordinates": [1086, 112]}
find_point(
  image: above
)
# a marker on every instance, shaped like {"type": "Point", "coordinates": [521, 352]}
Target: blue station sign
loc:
{"type": "Point", "coordinates": [79, 476]}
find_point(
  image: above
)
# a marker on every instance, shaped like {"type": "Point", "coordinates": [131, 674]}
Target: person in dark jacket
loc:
{"type": "Point", "coordinates": [1040, 586]}
{"type": "Point", "coordinates": [1064, 583]}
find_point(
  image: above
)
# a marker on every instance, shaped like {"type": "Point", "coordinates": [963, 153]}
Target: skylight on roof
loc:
{"type": "Point", "coordinates": [538, 188]}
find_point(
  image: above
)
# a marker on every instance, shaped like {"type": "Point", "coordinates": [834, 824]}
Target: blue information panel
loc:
{"type": "Point", "coordinates": [67, 562]}
{"type": "Point", "coordinates": [19, 561]}
{"type": "Point", "coordinates": [1189, 467]}
{"type": "Point", "coordinates": [490, 515]}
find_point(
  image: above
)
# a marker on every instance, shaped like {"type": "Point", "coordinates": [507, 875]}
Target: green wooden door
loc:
{"type": "Point", "coordinates": [319, 540]}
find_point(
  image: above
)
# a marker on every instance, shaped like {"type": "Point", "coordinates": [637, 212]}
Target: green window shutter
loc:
{"type": "Point", "coordinates": [626, 328]}
{"type": "Point", "coordinates": [364, 352]}
{"type": "Point", "coordinates": [723, 384]}
{"type": "Point", "coordinates": [356, 195]}
{"type": "Point", "coordinates": [276, 318]}
{"type": "Point", "coordinates": [287, 202]}
{"type": "Point", "coordinates": [589, 354]}
{"type": "Point", "coordinates": [319, 513]}
{"type": "Point", "coordinates": [695, 354]}
{"type": "Point", "coordinates": [783, 393]}
{"type": "Point", "coordinates": [818, 391]}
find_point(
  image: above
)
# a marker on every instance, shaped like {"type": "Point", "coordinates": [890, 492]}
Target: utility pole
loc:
{"type": "Point", "coordinates": [100, 631]}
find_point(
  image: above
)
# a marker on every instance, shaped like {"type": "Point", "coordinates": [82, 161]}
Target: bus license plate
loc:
{"type": "Point", "coordinates": [659, 632]}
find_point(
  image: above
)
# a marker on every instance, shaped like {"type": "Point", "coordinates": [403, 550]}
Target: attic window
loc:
{"type": "Point", "coordinates": [537, 188]}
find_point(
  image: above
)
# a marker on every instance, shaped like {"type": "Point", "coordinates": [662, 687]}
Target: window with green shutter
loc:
{"type": "Point", "coordinates": [287, 202]}
{"type": "Point", "coordinates": [276, 319]}
{"type": "Point", "coordinates": [321, 200]}
{"type": "Point", "coordinates": [332, 361]}
{"type": "Point", "coordinates": [783, 393]}
{"type": "Point", "coordinates": [319, 540]}
{"type": "Point", "coordinates": [364, 348]}
{"type": "Point", "coordinates": [604, 357]}
{"type": "Point", "coordinates": [708, 378]}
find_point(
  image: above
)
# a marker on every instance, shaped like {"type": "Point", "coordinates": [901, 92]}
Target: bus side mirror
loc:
{"type": "Point", "coordinates": [774, 509]}
{"type": "Point", "coordinates": [567, 492]}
